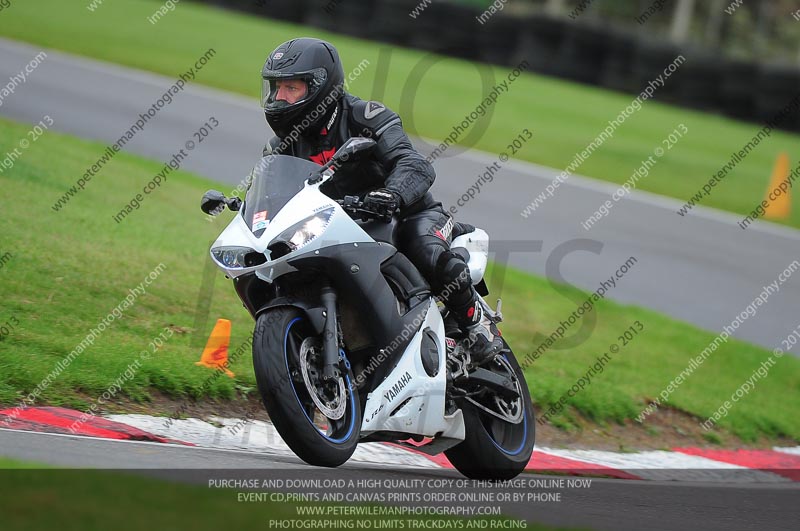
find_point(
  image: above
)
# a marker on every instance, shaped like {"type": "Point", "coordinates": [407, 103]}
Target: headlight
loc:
{"type": "Point", "coordinates": [301, 234]}
{"type": "Point", "coordinates": [237, 257]}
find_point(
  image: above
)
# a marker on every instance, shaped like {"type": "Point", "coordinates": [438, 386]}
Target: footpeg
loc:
{"type": "Point", "coordinates": [498, 313]}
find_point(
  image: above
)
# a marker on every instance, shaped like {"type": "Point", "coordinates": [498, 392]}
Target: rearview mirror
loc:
{"type": "Point", "coordinates": [354, 146]}
{"type": "Point", "coordinates": [212, 202]}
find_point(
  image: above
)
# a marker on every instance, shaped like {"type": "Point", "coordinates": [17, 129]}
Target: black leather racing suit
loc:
{"type": "Point", "coordinates": [425, 231]}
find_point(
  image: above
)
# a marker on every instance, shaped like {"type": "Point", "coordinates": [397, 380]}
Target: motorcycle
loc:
{"type": "Point", "coordinates": [350, 346]}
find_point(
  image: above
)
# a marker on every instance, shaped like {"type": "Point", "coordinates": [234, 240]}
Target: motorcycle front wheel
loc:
{"type": "Point", "coordinates": [320, 421]}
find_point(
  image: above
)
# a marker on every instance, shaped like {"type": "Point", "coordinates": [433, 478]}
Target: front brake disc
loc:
{"type": "Point", "coordinates": [333, 409]}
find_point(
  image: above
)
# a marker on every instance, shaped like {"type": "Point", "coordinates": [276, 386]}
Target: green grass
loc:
{"type": "Point", "coordinates": [69, 269]}
{"type": "Point", "coordinates": [564, 116]}
{"type": "Point", "coordinates": [643, 368]}
{"type": "Point", "coordinates": [15, 464]}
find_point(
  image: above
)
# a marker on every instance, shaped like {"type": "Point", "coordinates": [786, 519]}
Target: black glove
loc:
{"type": "Point", "coordinates": [384, 203]}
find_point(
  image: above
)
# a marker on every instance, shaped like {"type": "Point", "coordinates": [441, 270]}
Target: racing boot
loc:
{"type": "Point", "coordinates": [482, 336]}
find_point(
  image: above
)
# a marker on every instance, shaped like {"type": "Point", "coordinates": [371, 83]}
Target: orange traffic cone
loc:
{"type": "Point", "coordinates": [779, 207]}
{"type": "Point", "coordinates": [215, 355]}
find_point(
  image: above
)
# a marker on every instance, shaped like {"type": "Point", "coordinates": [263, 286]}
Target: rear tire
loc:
{"type": "Point", "coordinates": [493, 448]}
{"type": "Point", "coordinates": [276, 359]}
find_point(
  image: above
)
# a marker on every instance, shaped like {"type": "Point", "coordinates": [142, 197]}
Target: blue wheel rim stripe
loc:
{"type": "Point", "coordinates": [303, 409]}
{"type": "Point", "coordinates": [524, 433]}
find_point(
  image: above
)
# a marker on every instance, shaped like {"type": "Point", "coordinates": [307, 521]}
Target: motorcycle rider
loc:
{"type": "Point", "coordinates": [307, 107]}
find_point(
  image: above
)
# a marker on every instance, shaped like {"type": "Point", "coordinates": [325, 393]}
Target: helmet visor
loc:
{"type": "Point", "coordinates": [282, 91]}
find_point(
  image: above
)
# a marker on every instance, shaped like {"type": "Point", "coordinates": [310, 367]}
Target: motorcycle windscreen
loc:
{"type": "Point", "coordinates": [275, 180]}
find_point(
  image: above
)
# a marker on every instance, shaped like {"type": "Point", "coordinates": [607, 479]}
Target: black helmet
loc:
{"type": "Point", "coordinates": [317, 63]}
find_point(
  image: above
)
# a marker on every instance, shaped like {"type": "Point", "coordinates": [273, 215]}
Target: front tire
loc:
{"type": "Point", "coordinates": [493, 448]}
{"type": "Point", "coordinates": [280, 341]}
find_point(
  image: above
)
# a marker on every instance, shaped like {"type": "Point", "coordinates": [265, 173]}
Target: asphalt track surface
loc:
{"type": "Point", "coordinates": [702, 268]}
{"type": "Point", "coordinates": [606, 504]}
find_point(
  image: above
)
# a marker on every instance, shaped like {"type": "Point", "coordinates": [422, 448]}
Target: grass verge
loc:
{"type": "Point", "coordinates": [70, 269]}
{"type": "Point", "coordinates": [565, 117]}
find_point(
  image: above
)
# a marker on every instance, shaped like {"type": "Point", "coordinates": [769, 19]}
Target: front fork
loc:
{"type": "Point", "coordinates": [330, 342]}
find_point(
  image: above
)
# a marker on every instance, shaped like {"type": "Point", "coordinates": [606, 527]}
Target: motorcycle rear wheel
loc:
{"type": "Point", "coordinates": [494, 448]}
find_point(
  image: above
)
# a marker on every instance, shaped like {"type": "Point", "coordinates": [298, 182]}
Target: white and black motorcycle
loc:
{"type": "Point", "coordinates": [349, 344]}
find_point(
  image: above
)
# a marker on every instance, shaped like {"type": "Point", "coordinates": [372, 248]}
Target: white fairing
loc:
{"type": "Point", "coordinates": [340, 229]}
{"type": "Point", "coordinates": [477, 243]}
{"type": "Point", "coordinates": [423, 413]}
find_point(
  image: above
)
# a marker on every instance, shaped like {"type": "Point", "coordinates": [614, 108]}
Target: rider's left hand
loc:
{"type": "Point", "coordinates": [382, 202]}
